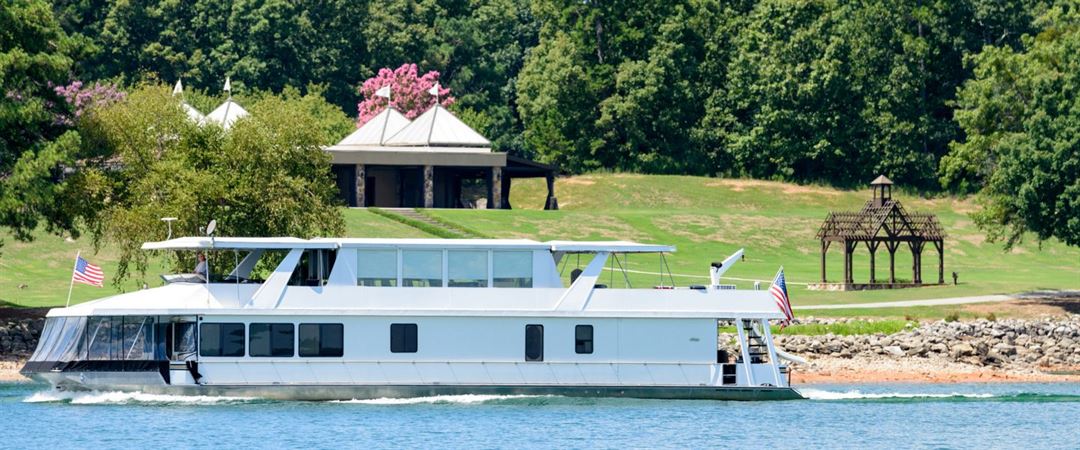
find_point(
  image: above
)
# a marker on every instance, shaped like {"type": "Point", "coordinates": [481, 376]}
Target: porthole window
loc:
{"type": "Point", "coordinates": [403, 338]}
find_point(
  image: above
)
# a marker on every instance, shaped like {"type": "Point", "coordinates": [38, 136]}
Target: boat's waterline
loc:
{"type": "Point", "coordinates": [323, 392]}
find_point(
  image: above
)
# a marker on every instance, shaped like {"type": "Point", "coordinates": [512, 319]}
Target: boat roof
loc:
{"type": "Point", "coordinates": [240, 243]}
{"type": "Point", "coordinates": [274, 243]}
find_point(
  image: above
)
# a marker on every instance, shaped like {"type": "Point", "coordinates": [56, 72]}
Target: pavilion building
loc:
{"type": "Point", "coordinates": [429, 162]}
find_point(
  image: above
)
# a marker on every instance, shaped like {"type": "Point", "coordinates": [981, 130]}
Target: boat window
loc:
{"type": "Point", "coordinates": [221, 339]}
{"type": "Point", "coordinates": [270, 339]}
{"type": "Point", "coordinates": [313, 268]}
{"type": "Point", "coordinates": [322, 339]}
{"type": "Point", "coordinates": [376, 268]}
{"type": "Point", "coordinates": [421, 268]}
{"type": "Point", "coordinates": [403, 338]}
{"type": "Point", "coordinates": [467, 268]}
{"type": "Point", "coordinates": [534, 342]}
{"type": "Point", "coordinates": [512, 269]}
{"type": "Point", "coordinates": [583, 339]}
{"type": "Point", "coordinates": [137, 337]}
{"type": "Point", "coordinates": [99, 333]}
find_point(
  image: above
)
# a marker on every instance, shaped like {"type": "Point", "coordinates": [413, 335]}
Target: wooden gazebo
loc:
{"type": "Point", "coordinates": [881, 221]}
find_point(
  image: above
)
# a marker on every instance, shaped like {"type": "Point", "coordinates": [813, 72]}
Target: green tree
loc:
{"type": "Point", "coordinates": [35, 56]}
{"type": "Point", "coordinates": [1021, 117]}
{"type": "Point", "coordinates": [266, 176]}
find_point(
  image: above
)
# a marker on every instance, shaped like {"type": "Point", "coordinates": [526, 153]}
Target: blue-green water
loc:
{"type": "Point", "coordinates": [848, 416]}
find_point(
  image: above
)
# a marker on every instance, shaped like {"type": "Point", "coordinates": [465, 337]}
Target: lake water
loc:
{"type": "Point", "coordinates": [847, 416]}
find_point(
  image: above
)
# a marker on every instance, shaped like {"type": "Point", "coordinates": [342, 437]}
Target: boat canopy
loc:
{"type": "Point", "coordinates": [237, 243]}
{"type": "Point", "coordinates": [283, 243]}
{"type": "Point", "coordinates": [607, 246]}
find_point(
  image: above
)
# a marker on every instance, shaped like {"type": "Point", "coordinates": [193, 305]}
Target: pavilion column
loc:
{"type": "Point", "coordinates": [505, 190]}
{"type": "Point", "coordinates": [494, 183]}
{"type": "Point", "coordinates": [429, 187]}
{"type": "Point", "coordinates": [361, 185]}
{"type": "Point", "coordinates": [551, 203]}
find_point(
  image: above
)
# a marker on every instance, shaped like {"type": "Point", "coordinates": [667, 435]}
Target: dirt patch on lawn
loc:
{"type": "Point", "coordinates": [758, 231]}
{"type": "Point", "coordinates": [739, 185]}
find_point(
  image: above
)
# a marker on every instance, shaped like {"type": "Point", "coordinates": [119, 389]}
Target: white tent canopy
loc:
{"type": "Point", "coordinates": [437, 127]}
{"type": "Point", "coordinates": [227, 113]}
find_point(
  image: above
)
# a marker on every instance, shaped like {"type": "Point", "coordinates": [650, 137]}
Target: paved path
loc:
{"type": "Point", "coordinates": [942, 301]}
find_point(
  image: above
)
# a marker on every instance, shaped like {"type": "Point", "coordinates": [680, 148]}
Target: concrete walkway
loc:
{"type": "Point", "coordinates": [944, 301]}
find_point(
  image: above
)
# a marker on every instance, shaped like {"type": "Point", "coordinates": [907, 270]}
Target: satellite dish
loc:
{"type": "Point", "coordinates": [210, 227]}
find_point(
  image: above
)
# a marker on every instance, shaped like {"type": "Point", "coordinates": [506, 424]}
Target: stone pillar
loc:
{"type": "Point", "coordinates": [494, 185]}
{"type": "Point", "coordinates": [429, 187]}
{"type": "Point", "coordinates": [361, 185]}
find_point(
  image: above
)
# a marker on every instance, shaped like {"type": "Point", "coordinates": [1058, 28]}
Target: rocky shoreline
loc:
{"type": "Point", "coordinates": [1045, 343]}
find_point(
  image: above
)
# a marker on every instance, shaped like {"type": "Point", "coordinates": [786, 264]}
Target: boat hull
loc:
{"type": "Point", "coordinates": [107, 382]}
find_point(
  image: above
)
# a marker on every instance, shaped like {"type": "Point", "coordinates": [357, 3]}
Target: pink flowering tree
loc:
{"type": "Point", "coordinates": [81, 98]}
{"type": "Point", "coordinates": [409, 93]}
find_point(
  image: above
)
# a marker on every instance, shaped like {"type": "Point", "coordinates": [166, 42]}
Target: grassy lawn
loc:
{"type": "Point", "coordinates": [37, 273]}
{"type": "Point", "coordinates": [707, 219]}
{"type": "Point", "coordinates": [840, 329]}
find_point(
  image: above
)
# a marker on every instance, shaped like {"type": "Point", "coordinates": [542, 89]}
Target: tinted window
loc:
{"type": "Point", "coordinates": [270, 339]}
{"type": "Point", "coordinates": [403, 338]}
{"type": "Point", "coordinates": [376, 268]}
{"type": "Point", "coordinates": [322, 339]}
{"type": "Point", "coordinates": [221, 339]}
{"type": "Point", "coordinates": [421, 268]}
{"type": "Point", "coordinates": [583, 339]}
{"type": "Point", "coordinates": [467, 268]}
{"type": "Point", "coordinates": [534, 342]}
{"type": "Point", "coordinates": [512, 269]}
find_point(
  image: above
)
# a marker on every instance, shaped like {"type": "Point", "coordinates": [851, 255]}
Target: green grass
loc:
{"type": "Point", "coordinates": [840, 329]}
{"type": "Point", "coordinates": [37, 273]}
{"type": "Point", "coordinates": [705, 218]}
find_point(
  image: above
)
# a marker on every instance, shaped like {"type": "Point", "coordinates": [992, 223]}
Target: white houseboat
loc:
{"type": "Point", "coordinates": [375, 318]}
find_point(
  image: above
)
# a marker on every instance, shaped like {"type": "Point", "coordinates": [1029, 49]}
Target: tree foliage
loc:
{"type": "Point", "coordinates": [36, 55]}
{"type": "Point", "coordinates": [266, 176]}
{"type": "Point", "coordinates": [1021, 117]}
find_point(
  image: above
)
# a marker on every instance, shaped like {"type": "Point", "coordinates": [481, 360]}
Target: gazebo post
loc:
{"type": "Point", "coordinates": [891, 247]}
{"type": "Point", "coordinates": [824, 250]}
{"type": "Point", "coordinates": [872, 246]}
{"type": "Point", "coordinates": [940, 245]}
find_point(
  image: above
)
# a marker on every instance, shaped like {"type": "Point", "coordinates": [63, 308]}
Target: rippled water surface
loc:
{"type": "Point", "coordinates": [845, 416]}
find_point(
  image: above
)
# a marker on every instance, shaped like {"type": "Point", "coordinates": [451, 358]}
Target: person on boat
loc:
{"type": "Point", "coordinates": [200, 268]}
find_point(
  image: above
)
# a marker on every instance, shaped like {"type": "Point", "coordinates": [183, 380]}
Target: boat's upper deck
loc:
{"type": "Point", "coordinates": [424, 276]}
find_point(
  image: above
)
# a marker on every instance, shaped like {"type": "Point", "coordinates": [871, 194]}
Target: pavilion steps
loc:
{"type": "Point", "coordinates": [423, 222]}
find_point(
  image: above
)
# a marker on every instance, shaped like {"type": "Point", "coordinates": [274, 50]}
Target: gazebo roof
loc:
{"type": "Point", "coordinates": [437, 127]}
{"type": "Point", "coordinates": [376, 130]}
{"type": "Point", "coordinates": [227, 113]}
{"type": "Point", "coordinates": [880, 181]}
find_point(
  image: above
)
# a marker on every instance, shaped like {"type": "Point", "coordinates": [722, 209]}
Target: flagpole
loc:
{"type": "Point", "coordinates": [72, 284]}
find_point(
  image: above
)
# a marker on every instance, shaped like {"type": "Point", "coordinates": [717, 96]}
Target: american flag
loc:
{"type": "Point", "coordinates": [87, 273]}
{"type": "Point", "coordinates": [779, 293]}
